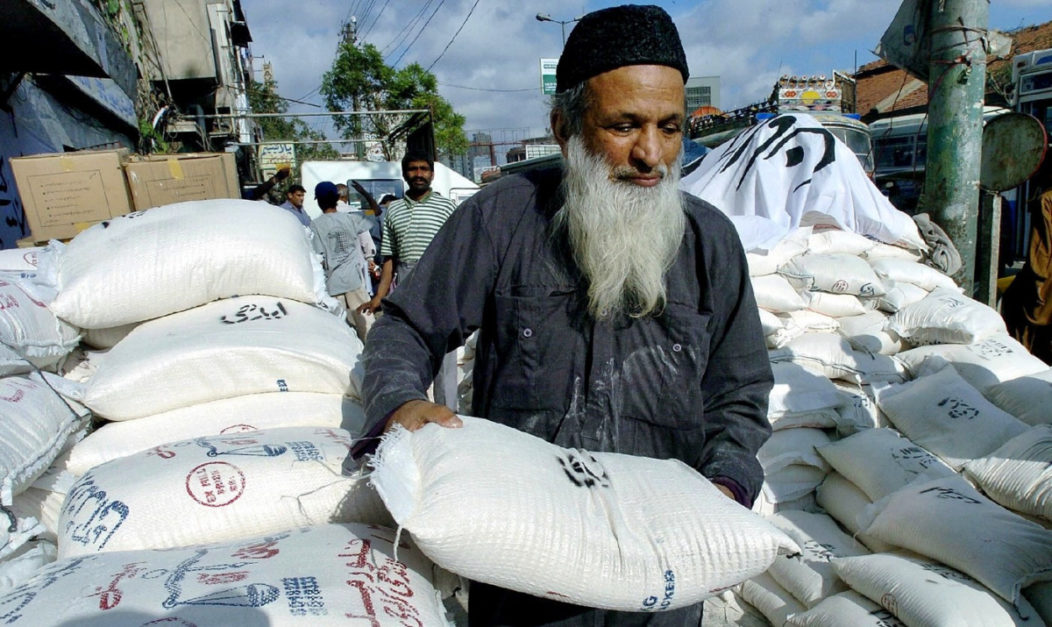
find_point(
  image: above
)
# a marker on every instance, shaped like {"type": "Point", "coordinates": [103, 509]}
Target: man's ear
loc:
{"type": "Point", "coordinates": [559, 129]}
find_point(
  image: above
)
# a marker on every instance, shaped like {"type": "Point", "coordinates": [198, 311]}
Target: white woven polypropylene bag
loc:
{"type": "Point", "coordinates": [809, 577]}
{"type": "Point", "coordinates": [602, 530]}
{"type": "Point", "coordinates": [899, 295]}
{"type": "Point", "coordinates": [880, 461]}
{"type": "Point", "coordinates": [947, 520]}
{"type": "Point", "coordinates": [988, 362]}
{"type": "Point", "coordinates": [36, 425]}
{"type": "Point", "coordinates": [1019, 474]}
{"type": "Point", "coordinates": [29, 328]}
{"type": "Point", "coordinates": [844, 501]}
{"type": "Point", "coordinates": [831, 356]}
{"type": "Point", "coordinates": [859, 410]}
{"type": "Point", "coordinates": [800, 398]}
{"type": "Point", "coordinates": [215, 489]}
{"type": "Point", "coordinates": [223, 417]}
{"type": "Point", "coordinates": [925, 593]}
{"type": "Point", "coordinates": [944, 414]}
{"type": "Point", "coordinates": [232, 347]}
{"type": "Point", "coordinates": [946, 317]}
{"type": "Point", "coordinates": [1028, 398]}
{"type": "Point", "coordinates": [336, 574]}
{"type": "Point", "coordinates": [835, 305]}
{"type": "Point", "coordinates": [912, 272]}
{"type": "Point", "coordinates": [773, 601]}
{"type": "Point", "coordinates": [774, 293]}
{"type": "Point", "coordinates": [150, 264]}
{"type": "Point", "coordinates": [834, 273]}
{"type": "Point", "coordinates": [838, 241]}
{"type": "Point", "coordinates": [844, 609]}
{"type": "Point", "coordinates": [24, 563]}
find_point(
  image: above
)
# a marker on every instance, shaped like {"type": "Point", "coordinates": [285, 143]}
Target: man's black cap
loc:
{"type": "Point", "coordinates": [611, 38]}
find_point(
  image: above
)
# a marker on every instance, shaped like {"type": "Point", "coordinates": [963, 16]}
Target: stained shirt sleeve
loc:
{"type": "Point", "coordinates": [430, 314]}
{"type": "Point", "coordinates": [737, 381]}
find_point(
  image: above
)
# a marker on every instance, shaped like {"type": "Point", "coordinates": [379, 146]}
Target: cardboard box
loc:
{"type": "Point", "coordinates": [64, 193]}
{"type": "Point", "coordinates": [157, 180]}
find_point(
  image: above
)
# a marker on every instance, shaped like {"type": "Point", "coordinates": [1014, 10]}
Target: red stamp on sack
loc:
{"type": "Point", "coordinates": [215, 484]}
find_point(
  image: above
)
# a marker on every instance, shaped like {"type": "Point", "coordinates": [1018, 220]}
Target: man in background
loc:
{"type": "Point", "coordinates": [409, 225]}
{"type": "Point", "coordinates": [294, 204]}
{"type": "Point", "coordinates": [343, 241]}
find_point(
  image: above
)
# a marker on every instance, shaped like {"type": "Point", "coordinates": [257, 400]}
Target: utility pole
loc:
{"type": "Point", "coordinates": [349, 35]}
{"type": "Point", "coordinates": [956, 84]}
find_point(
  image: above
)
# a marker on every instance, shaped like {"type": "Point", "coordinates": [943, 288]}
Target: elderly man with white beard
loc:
{"type": "Point", "coordinates": [615, 313]}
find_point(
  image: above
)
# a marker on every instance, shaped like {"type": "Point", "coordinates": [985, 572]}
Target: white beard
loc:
{"type": "Point", "coordinates": [624, 237]}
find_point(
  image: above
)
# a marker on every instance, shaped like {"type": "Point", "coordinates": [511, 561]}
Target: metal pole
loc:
{"type": "Point", "coordinates": [955, 118]}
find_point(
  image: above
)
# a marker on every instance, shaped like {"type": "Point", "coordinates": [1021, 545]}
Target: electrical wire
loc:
{"type": "Point", "coordinates": [368, 30]}
{"type": "Point", "coordinates": [454, 36]}
{"type": "Point", "coordinates": [404, 33]}
{"type": "Point", "coordinates": [420, 32]}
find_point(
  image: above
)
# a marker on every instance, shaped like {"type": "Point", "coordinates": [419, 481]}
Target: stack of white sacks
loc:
{"type": "Point", "coordinates": [910, 461]}
{"type": "Point", "coordinates": [911, 457]}
{"type": "Point", "coordinates": [215, 485]}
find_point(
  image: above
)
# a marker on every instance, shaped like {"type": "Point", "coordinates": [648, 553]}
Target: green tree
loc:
{"type": "Point", "coordinates": [263, 98]}
{"type": "Point", "coordinates": [359, 80]}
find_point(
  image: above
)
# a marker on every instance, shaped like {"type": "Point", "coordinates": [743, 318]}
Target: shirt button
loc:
{"type": "Point", "coordinates": [527, 332]}
{"type": "Point", "coordinates": [677, 348]}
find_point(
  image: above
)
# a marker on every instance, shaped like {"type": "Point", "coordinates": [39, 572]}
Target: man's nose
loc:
{"type": "Point", "coordinates": [647, 149]}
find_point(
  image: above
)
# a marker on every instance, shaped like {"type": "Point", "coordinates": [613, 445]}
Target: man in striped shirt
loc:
{"type": "Point", "coordinates": [409, 226]}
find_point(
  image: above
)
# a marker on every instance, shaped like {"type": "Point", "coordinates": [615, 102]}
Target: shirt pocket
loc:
{"type": "Point", "coordinates": [536, 344]}
{"type": "Point", "coordinates": [661, 380]}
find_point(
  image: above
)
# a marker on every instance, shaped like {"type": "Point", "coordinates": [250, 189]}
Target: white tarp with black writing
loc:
{"type": "Point", "coordinates": [790, 171]}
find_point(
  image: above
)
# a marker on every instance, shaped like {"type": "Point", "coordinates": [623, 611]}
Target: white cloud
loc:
{"type": "Point", "coordinates": [748, 43]}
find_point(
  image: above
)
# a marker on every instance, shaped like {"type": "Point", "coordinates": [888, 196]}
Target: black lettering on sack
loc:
{"type": "Point", "coordinates": [951, 495]}
{"type": "Point", "coordinates": [249, 313]}
{"type": "Point", "coordinates": [583, 470]}
{"type": "Point", "coordinates": [956, 409]}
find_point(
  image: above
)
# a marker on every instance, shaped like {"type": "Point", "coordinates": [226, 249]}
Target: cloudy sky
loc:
{"type": "Point", "coordinates": [489, 70]}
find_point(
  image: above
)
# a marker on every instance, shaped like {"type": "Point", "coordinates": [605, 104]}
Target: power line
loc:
{"type": "Point", "coordinates": [404, 33]}
{"type": "Point", "coordinates": [420, 32]}
{"type": "Point", "coordinates": [454, 36]}
{"type": "Point", "coordinates": [368, 30]}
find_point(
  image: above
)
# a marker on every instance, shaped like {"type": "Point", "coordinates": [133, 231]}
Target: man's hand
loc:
{"type": "Point", "coordinates": [370, 307]}
{"type": "Point", "coordinates": [722, 488]}
{"type": "Point", "coordinates": [415, 414]}
{"type": "Point", "coordinates": [283, 173]}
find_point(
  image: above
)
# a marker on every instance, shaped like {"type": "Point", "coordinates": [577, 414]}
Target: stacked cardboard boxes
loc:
{"type": "Point", "coordinates": [63, 194]}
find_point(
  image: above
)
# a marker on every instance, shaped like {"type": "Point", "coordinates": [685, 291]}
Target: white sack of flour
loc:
{"type": "Point", "coordinates": [150, 264]}
{"type": "Point", "coordinates": [334, 574]}
{"type": "Point", "coordinates": [944, 414]}
{"type": "Point", "coordinates": [880, 461]}
{"type": "Point", "coordinates": [1019, 474]}
{"type": "Point", "coordinates": [924, 592]}
{"type": "Point", "coordinates": [809, 576]}
{"type": "Point", "coordinates": [253, 412]}
{"type": "Point", "coordinates": [216, 489]}
{"type": "Point", "coordinates": [948, 520]}
{"type": "Point", "coordinates": [1028, 398]}
{"type": "Point", "coordinates": [605, 530]}
{"type": "Point", "coordinates": [232, 347]}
